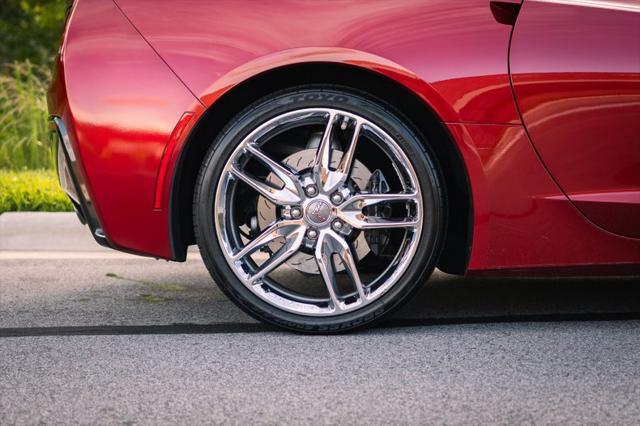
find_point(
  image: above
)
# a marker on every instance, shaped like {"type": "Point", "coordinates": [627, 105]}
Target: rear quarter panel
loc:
{"type": "Point", "coordinates": [453, 53]}
{"type": "Point", "coordinates": [122, 102]}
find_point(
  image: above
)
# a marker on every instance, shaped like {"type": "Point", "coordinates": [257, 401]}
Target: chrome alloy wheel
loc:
{"type": "Point", "coordinates": [320, 211]}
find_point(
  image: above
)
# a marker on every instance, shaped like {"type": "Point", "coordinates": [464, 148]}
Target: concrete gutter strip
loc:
{"type": "Point", "coordinates": [36, 231]}
{"type": "Point", "coordinates": [37, 235]}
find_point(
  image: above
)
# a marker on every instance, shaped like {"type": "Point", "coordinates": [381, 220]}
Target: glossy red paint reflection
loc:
{"type": "Point", "coordinates": [576, 76]}
{"type": "Point", "coordinates": [522, 219]}
{"type": "Point", "coordinates": [453, 53]}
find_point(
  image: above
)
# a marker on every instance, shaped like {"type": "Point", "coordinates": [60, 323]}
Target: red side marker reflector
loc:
{"type": "Point", "coordinates": [166, 157]}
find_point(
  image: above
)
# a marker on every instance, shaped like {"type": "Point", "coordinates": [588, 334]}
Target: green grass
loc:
{"type": "Point", "coordinates": [24, 131]}
{"type": "Point", "coordinates": [32, 190]}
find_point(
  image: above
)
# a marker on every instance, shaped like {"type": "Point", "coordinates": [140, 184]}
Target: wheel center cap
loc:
{"type": "Point", "coordinates": [318, 212]}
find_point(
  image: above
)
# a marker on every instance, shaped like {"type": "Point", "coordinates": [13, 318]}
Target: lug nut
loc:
{"type": "Point", "coordinates": [312, 234]}
{"type": "Point", "coordinates": [311, 190]}
{"type": "Point", "coordinates": [336, 198]}
{"type": "Point", "coordinates": [296, 212]}
{"type": "Point", "coordinates": [337, 225]}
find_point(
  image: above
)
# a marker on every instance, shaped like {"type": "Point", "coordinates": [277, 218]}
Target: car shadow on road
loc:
{"type": "Point", "coordinates": [445, 300]}
{"type": "Point", "coordinates": [226, 328]}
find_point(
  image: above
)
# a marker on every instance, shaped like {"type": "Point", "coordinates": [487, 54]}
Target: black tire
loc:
{"type": "Point", "coordinates": [416, 148]}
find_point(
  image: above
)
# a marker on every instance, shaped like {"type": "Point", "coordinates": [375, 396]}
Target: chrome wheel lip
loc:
{"type": "Point", "coordinates": [324, 230]}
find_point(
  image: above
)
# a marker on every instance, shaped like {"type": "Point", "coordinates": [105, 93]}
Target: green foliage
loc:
{"type": "Point", "coordinates": [29, 38]}
{"type": "Point", "coordinates": [33, 190]}
{"type": "Point", "coordinates": [30, 35]}
{"type": "Point", "coordinates": [24, 132]}
{"type": "Point", "coordinates": [30, 30]}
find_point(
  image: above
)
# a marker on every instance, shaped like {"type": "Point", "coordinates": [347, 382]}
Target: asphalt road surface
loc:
{"type": "Point", "coordinates": [92, 336]}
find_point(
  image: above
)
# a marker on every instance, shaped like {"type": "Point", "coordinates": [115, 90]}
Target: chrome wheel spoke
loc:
{"type": "Point", "coordinates": [361, 221]}
{"type": "Point", "coordinates": [289, 179]}
{"type": "Point", "coordinates": [277, 196]}
{"type": "Point", "coordinates": [351, 211]}
{"type": "Point", "coordinates": [360, 201]}
{"type": "Point", "coordinates": [329, 180]}
{"type": "Point", "coordinates": [324, 253]}
{"type": "Point", "coordinates": [344, 168]}
{"type": "Point", "coordinates": [291, 246]}
{"type": "Point", "coordinates": [328, 245]}
{"type": "Point", "coordinates": [349, 261]}
{"type": "Point", "coordinates": [322, 161]}
{"type": "Point", "coordinates": [279, 229]}
{"type": "Point", "coordinates": [339, 176]}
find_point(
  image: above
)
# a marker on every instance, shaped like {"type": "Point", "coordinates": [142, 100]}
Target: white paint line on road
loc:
{"type": "Point", "coordinates": [71, 255]}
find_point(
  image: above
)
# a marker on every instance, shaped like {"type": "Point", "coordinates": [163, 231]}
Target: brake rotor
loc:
{"type": "Point", "coordinates": [301, 160]}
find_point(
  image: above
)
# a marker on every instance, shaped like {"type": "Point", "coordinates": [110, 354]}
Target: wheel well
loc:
{"type": "Point", "coordinates": [455, 254]}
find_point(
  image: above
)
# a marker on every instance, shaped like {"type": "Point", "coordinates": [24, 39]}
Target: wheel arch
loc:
{"type": "Point", "coordinates": [419, 112]}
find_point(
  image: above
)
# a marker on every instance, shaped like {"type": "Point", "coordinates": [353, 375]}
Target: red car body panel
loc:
{"type": "Point", "coordinates": [576, 76]}
{"type": "Point", "coordinates": [129, 72]}
{"type": "Point", "coordinates": [453, 53]}
{"type": "Point", "coordinates": [521, 217]}
{"type": "Point", "coordinates": [121, 103]}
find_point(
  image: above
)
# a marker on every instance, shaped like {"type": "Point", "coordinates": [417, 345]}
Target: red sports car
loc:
{"type": "Point", "coordinates": [327, 156]}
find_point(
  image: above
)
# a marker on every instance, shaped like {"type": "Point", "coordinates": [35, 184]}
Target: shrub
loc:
{"type": "Point", "coordinates": [32, 190]}
{"type": "Point", "coordinates": [24, 135]}
{"type": "Point", "coordinates": [30, 29]}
